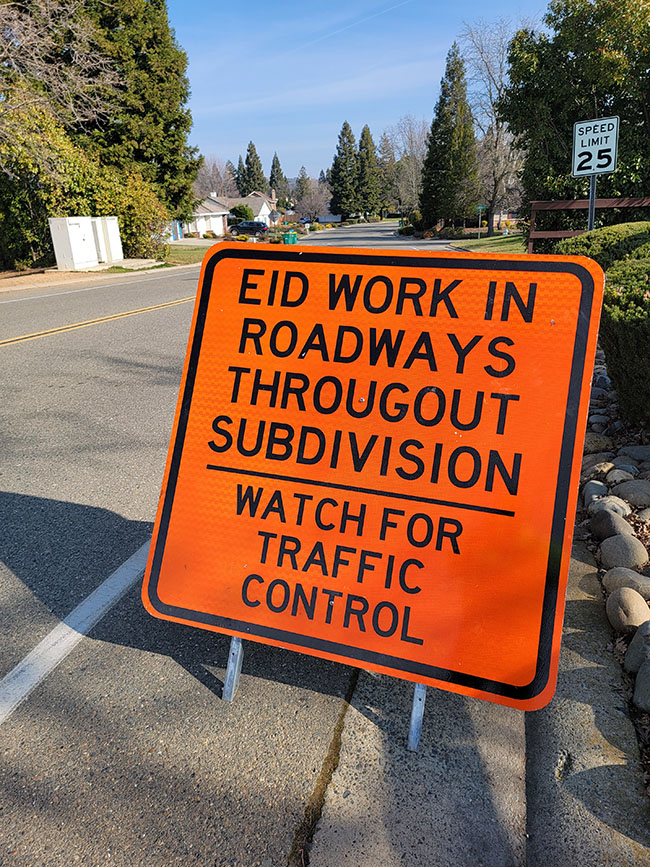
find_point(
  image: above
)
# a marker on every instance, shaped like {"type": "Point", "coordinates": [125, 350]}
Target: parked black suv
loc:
{"type": "Point", "coordinates": [250, 227]}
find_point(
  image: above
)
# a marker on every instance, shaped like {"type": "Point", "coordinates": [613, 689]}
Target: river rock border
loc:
{"type": "Point", "coordinates": [614, 519]}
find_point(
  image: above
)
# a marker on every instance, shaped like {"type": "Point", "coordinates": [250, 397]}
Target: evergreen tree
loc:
{"type": "Point", "coordinates": [450, 171]}
{"type": "Point", "coordinates": [240, 177]}
{"type": "Point", "coordinates": [368, 183]}
{"type": "Point", "coordinates": [278, 182]}
{"type": "Point", "coordinates": [148, 123]}
{"type": "Point", "coordinates": [344, 176]}
{"type": "Point", "coordinates": [387, 168]}
{"type": "Point", "coordinates": [253, 180]}
{"type": "Point", "coordinates": [303, 185]}
{"type": "Point", "coordinates": [323, 178]}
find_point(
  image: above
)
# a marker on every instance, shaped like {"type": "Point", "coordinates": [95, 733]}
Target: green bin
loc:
{"type": "Point", "coordinates": [289, 238]}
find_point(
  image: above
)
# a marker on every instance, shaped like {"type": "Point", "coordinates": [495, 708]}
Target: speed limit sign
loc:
{"type": "Point", "coordinates": [595, 146]}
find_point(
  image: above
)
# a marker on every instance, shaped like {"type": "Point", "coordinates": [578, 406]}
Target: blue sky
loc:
{"type": "Point", "coordinates": [287, 74]}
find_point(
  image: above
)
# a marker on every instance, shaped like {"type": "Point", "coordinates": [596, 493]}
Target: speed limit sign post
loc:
{"type": "Point", "coordinates": [595, 149]}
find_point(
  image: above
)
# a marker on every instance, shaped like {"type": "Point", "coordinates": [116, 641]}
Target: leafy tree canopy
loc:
{"type": "Point", "coordinates": [593, 61]}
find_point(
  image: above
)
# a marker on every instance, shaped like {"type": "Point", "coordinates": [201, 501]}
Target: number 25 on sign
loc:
{"type": "Point", "coordinates": [375, 460]}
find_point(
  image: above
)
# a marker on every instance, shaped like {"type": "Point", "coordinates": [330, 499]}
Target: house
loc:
{"type": "Point", "coordinates": [261, 205]}
{"type": "Point", "coordinates": [209, 216]}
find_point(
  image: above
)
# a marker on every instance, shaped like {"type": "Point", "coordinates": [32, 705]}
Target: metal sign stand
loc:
{"type": "Point", "coordinates": [233, 672]}
{"type": "Point", "coordinates": [417, 713]}
{"type": "Point", "coordinates": [592, 202]}
{"type": "Point", "coordinates": [233, 669]}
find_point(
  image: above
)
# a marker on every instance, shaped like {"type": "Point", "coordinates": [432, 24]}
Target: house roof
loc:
{"type": "Point", "coordinates": [255, 202]}
{"type": "Point", "coordinates": [209, 207]}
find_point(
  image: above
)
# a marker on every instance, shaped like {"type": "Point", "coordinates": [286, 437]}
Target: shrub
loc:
{"type": "Point", "coordinates": [609, 244]}
{"type": "Point", "coordinates": [242, 212]}
{"type": "Point", "coordinates": [415, 219]}
{"type": "Point", "coordinates": [625, 335]}
{"type": "Point", "coordinates": [449, 232]}
{"type": "Point", "coordinates": [241, 237]}
{"type": "Point", "coordinates": [406, 230]}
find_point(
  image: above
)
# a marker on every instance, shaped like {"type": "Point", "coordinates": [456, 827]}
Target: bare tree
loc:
{"type": "Point", "coordinates": [409, 141]}
{"type": "Point", "coordinates": [485, 51]}
{"type": "Point", "coordinates": [50, 66]}
{"type": "Point", "coordinates": [215, 176]}
{"type": "Point", "coordinates": [315, 201]}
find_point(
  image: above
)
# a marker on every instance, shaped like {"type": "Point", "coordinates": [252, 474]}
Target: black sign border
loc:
{"type": "Point", "coordinates": [347, 653]}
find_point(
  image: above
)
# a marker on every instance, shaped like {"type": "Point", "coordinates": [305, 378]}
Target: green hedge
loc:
{"type": "Point", "coordinates": [625, 335]}
{"type": "Point", "coordinates": [609, 244]}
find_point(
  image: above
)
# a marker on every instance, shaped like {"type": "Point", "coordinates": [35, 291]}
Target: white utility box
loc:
{"type": "Point", "coordinates": [74, 243]}
{"type": "Point", "coordinates": [100, 238]}
{"type": "Point", "coordinates": [112, 239]}
{"type": "Point", "coordinates": [82, 242]}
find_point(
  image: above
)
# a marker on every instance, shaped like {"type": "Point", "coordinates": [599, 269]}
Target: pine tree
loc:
{"type": "Point", "coordinates": [278, 182]}
{"type": "Point", "coordinates": [253, 179]}
{"type": "Point", "coordinates": [148, 124]}
{"type": "Point", "coordinates": [387, 167]}
{"type": "Point", "coordinates": [344, 176]}
{"type": "Point", "coordinates": [303, 185]}
{"type": "Point", "coordinates": [240, 176]}
{"type": "Point", "coordinates": [368, 183]}
{"type": "Point", "coordinates": [450, 171]}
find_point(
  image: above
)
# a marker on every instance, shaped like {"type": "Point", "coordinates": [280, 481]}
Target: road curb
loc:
{"type": "Point", "coordinates": [74, 278]}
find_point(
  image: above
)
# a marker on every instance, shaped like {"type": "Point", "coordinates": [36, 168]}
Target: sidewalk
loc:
{"type": "Point", "coordinates": [560, 786]}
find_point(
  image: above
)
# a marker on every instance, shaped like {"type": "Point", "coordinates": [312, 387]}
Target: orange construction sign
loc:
{"type": "Point", "coordinates": [375, 460]}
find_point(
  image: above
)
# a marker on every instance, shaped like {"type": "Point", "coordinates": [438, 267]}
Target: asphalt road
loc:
{"type": "Point", "coordinates": [125, 754]}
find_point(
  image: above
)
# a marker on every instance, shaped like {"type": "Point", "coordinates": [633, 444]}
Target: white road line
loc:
{"type": "Point", "coordinates": [53, 649]}
{"type": "Point", "coordinates": [97, 286]}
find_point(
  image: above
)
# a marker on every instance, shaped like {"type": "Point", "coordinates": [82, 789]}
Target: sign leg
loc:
{"type": "Point", "coordinates": [592, 202]}
{"type": "Point", "coordinates": [417, 712]}
{"type": "Point", "coordinates": [233, 670]}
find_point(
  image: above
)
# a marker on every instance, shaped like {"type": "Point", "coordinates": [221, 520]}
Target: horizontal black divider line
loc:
{"type": "Point", "coordinates": [357, 490]}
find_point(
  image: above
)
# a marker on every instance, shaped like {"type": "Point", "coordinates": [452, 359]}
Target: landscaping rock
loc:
{"type": "Point", "coordinates": [626, 610]}
{"type": "Point", "coordinates": [599, 457]}
{"type": "Point", "coordinates": [618, 475]}
{"type": "Point", "coordinates": [636, 492]}
{"type": "Point", "coordinates": [644, 515]}
{"type": "Point", "coordinates": [625, 551]}
{"type": "Point", "coordinates": [641, 697]}
{"type": "Point", "coordinates": [619, 576]}
{"type": "Point", "coordinates": [598, 418]}
{"type": "Point", "coordinates": [613, 504]}
{"type": "Point", "coordinates": [596, 471]}
{"type": "Point", "coordinates": [639, 649]}
{"type": "Point", "coordinates": [595, 442]}
{"type": "Point", "coordinates": [605, 524]}
{"type": "Point", "coordinates": [639, 453]}
{"type": "Point", "coordinates": [592, 491]}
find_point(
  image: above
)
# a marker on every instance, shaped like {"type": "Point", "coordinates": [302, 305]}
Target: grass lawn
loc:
{"type": "Point", "coordinates": [497, 244]}
{"type": "Point", "coordinates": [181, 255]}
